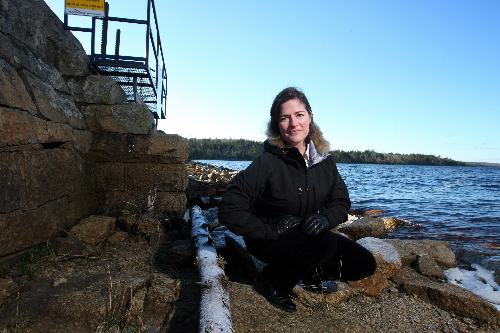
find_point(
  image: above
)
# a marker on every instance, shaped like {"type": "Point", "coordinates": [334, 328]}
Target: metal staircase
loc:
{"type": "Point", "coordinates": [144, 79]}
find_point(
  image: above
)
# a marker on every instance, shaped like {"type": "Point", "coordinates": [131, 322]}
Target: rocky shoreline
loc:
{"type": "Point", "coordinates": [135, 272]}
{"type": "Point", "coordinates": [416, 266]}
{"type": "Point", "coordinates": [207, 183]}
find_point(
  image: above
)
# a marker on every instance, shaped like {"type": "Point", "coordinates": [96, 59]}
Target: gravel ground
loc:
{"type": "Point", "coordinates": [389, 312]}
{"type": "Point", "coordinates": [392, 311]}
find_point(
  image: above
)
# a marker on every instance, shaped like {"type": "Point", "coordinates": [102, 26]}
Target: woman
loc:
{"type": "Point", "coordinates": [285, 203]}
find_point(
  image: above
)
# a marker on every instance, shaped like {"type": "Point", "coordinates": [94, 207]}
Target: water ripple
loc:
{"type": "Point", "coordinates": [458, 204]}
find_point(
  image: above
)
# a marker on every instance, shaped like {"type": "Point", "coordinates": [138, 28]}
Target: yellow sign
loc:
{"type": "Point", "coordinates": [85, 7]}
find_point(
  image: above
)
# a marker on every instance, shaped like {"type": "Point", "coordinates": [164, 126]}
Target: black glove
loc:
{"type": "Point", "coordinates": [285, 223]}
{"type": "Point", "coordinates": [314, 224]}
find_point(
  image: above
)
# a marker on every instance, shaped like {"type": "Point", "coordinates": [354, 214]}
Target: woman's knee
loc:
{"type": "Point", "coordinates": [358, 261]}
{"type": "Point", "coordinates": [322, 247]}
{"type": "Point", "coordinates": [371, 265]}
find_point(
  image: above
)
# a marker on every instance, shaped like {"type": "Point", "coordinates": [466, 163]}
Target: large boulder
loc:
{"type": "Point", "coordinates": [152, 148]}
{"type": "Point", "coordinates": [101, 89]}
{"type": "Point", "coordinates": [454, 299]}
{"type": "Point", "coordinates": [438, 250]}
{"type": "Point", "coordinates": [364, 227]}
{"type": "Point", "coordinates": [372, 285]}
{"type": "Point", "coordinates": [385, 254]}
{"type": "Point", "coordinates": [54, 105]}
{"type": "Point", "coordinates": [12, 90]}
{"type": "Point", "coordinates": [427, 266]}
{"type": "Point", "coordinates": [130, 118]}
{"type": "Point", "coordinates": [94, 229]}
{"type": "Point", "coordinates": [407, 274]}
{"type": "Point", "coordinates": [34, 24]}
{"type": "Point", "coordinates": [72, 62]}
{"type": "Point", "coordinates": [21, 128]}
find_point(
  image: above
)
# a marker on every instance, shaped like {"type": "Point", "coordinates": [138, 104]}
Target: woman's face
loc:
{"type": "Point", "coordinates": [294, 123]}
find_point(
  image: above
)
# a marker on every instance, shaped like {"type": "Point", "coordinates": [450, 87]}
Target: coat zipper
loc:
{"type": "Point", "coordinates": [307, 192]}
{"type": "Point", "coordinates": [314, 202]}
{"type": "Point", "coordinates": [300, 201]}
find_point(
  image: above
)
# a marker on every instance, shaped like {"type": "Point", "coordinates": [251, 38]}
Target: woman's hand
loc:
{"type": "Point", "coordinates": [314, 224]}
{"type": "Point", "coordinates": [285, 223]}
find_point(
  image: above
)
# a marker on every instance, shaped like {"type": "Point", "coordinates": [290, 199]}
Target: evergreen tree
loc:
{"type": "Point", "coordinates": [247, 150]}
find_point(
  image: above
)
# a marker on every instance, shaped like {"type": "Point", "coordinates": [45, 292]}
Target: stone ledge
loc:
{"type": "Point", "coordinates": [163, 177]}
{"type": "Point", "coordinates": [410, 249]}
{"type": "Point", "coordinates": [150, 148]}
{"type": "Point", "coordinates": [170, 203]}
{"type": "Point", "coordinates": [130, 118]}
{"type": "Point", "coordinates": [454, 299]}
{"type": "Point", "coordinates": [21, 128]}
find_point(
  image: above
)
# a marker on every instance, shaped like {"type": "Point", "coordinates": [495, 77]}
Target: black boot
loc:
{"type": "Point", "coordinates": [266, 289]}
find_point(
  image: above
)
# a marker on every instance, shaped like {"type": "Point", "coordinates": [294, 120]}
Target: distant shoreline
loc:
{"type": "Point", "coordinates": [247, 150]}
{"type": "Point", "coordinates": [466, 164]}
{"type": "Point", "coordinates": [482, 164]}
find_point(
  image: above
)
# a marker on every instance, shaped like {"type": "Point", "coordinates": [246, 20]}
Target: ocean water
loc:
{"type": "Point", "coordinates": [457, 204]}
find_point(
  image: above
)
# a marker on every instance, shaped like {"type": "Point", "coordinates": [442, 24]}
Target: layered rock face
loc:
{"type": "Point", "coordinates": [70, 144]}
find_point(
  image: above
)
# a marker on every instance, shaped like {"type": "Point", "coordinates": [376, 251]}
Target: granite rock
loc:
{"type": "Point", "coordinates": [94, 229]}
{"type": "Point", "coordinates": [454, 299]}
{"type": "Point", "coordinates": [427, 266]}
{"type": "Point", "coordinates": [372, 285]}
{"type": "Point", "coordinates": [438, 250]}
{"type": "Point", "coordinates": [364, 227]}
{"type": "Point", "coordinates": [385, 254]}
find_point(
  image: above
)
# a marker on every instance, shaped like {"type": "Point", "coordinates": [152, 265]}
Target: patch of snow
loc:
{"type": "Point", "coordinates": [480, 281]}
{"type": "Point", "coordinates": [387, 251]}
{"type": "Point", "coordinates": [351, 218]}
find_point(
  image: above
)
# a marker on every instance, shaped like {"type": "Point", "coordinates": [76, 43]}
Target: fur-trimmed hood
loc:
{"type": "Point", "coordinates": [321, 144]}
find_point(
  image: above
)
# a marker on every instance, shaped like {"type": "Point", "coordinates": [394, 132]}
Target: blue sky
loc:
{"type": "Point", "coordinates": [392, 76]}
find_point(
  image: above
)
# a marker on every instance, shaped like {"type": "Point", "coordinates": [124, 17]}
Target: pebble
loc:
{"type": "Point", "coordinates": [58, 281]}
{"type": "Point", "coordinates": [152, 329]}
{"type": "Point", "coordinates": [394, 291]}
{"type": "Point", "coordinates": [444, 314]}
{"type": "Point", "coordinates": [114, 329]}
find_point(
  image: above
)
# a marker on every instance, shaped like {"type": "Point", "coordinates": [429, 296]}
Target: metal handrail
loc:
{"type": "Point", "coordinates": [132, 66]}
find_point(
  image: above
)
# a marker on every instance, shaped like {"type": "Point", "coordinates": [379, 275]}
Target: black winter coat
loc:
{"type": "Point", "coordinates": [278, 182]}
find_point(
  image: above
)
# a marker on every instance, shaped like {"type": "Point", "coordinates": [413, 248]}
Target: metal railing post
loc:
{"type": "Point", "coordinates": [157, 53]}
{"type": "Point", "coordinates": [135, 89]}
{"type": "Point", "coordinates": [117, 45]}
{"type": "Point", "coordinates": [92, 40]}
{"type": "Point", "coordinates": [148, 29]}
{"type": "Point", "coordinates": [104, 38]}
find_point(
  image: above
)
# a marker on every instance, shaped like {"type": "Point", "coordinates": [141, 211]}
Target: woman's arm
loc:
{"type": "Point", "coordinates": [234, 210]}
{"type": "Point", "coordinates": [337, 203]}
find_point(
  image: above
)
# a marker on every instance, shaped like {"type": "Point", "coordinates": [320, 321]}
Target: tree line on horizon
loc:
{"type": "Point", "coordinates": [248, 150]}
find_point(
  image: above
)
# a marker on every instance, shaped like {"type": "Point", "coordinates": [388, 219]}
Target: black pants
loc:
{"type": "Point", "coordinates": [313, 259]}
